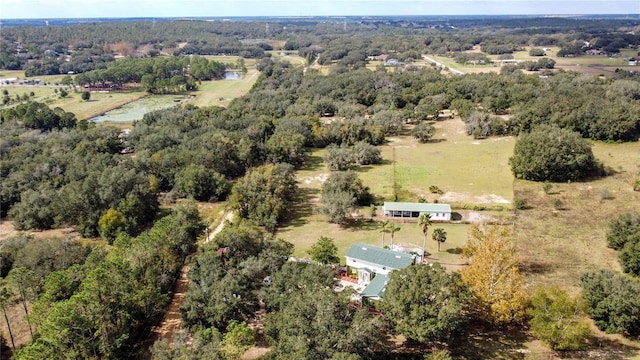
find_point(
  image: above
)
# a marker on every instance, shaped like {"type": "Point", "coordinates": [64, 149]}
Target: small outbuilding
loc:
{"type": "Point", "coordinates": [438, 212]}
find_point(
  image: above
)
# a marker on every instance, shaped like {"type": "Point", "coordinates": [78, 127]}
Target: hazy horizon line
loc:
{"type": "Point", "coordinates": [559, 15]}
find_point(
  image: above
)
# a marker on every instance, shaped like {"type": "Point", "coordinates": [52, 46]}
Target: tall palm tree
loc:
{"type": "Point", "coordinates": [384, 229]}
{"type": "Point", "coordinates": [393, 228]}
{"type": "Point", "coordinates": [440, 236]}
{"type": "Point", "coordinates": [424, 221]}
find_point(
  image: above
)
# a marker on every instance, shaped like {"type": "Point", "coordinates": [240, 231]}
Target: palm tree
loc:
{"type": "Point", "coordinates": [424, 221]}
{"type": "Point", "coordinates": [384, 230]}
{"type": "Point", "coordinates": [393, 228]}
{"type": "Point", "coordinates": [440, 236]}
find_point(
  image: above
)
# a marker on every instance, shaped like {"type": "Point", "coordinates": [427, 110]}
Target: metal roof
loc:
{"type": "Point", "coordinates": [421, 207]}
{"type": "Point", "coordinates": [376, 286]}
{"type": "Point", "coordinates": [382, 257]}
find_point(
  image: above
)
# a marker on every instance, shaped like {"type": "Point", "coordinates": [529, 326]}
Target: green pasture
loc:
{"type": "Point", "coordinates": [453, 161]}
{"type": "Point", "coordinates": [221, 92]}
{"type": "Point", "coordinates": [474, 171]}
{"type": "Point", "coordinates": [290, 56]}
{"type": "Point", "coordinates": [41, 93]}
{"type": "Point", "coordinates": [98, 104]}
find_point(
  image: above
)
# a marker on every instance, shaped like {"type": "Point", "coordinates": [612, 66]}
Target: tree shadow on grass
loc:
{"type": "Point", "coordinates": [312, 163]}
{"type": "Point", "coordinates": [535, 267]}
{"type": "Point", "coordinates": [302, 207]}
{"type": "Point", "coordinates": [366, 168]}
{"type": "Point", "coordinates": [602, 348]}
{"type": "Point", "coordinates": [483, 343]}
{"type": "Point", "coordinates": [361, 224]}
{"type": "Point", "coordinates": [456, 251]}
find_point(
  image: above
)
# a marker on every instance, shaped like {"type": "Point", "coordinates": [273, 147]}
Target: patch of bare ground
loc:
{"type": "Point", "coordinates": [172, 321]}
{"type": "Point", "coordinates": [467, 198]}
{"type": "Point", "coordinates": [7, 230]}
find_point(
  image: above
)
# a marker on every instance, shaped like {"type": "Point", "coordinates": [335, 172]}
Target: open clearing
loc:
{"type": "Point", "coordinates": [587, 64]}
{"type": "Point", "coordinates": [221, 92]}
{"type": "Point", "coordinates": [467, 170]}
{"type": "Point", "coordinates": [555, 245]}
{"type": "Point", "coordinates": [470, 172]}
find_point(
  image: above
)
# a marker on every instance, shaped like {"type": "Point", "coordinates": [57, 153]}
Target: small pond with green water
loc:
{"type": "Point", "coordinates": [135, 110]}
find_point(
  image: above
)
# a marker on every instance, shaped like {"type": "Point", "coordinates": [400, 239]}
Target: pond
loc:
{"type": "Point", "coordinates": [135, 110]}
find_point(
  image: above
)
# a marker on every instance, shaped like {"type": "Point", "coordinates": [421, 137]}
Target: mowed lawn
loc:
{"type": "Point", "coordinates": [307, 227]}
{"type": "Point", "coordinates": [468, 171]}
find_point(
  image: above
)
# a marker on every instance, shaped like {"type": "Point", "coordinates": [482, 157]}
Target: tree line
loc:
{"type": "Point", "coordinates": [57, 171]}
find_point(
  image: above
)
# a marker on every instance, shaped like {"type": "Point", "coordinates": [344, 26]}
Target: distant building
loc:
{"type": "Point", "coordinates": [438, 212]}
{"type": "Point", "coordinates": [393, 62]}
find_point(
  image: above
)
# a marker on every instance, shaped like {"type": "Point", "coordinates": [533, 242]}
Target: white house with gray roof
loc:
{"type": "Point", "coordinates": [438, 212]}
{"type": "Point", "coordinates": [372, 264]}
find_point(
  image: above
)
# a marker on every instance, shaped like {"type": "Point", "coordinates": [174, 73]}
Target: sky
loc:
{"type": "Point", "coordinates": [49, 9]}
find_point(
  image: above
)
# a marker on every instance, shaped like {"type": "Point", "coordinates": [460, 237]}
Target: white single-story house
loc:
{"type": "Point", "coordinates": [372, 264]}
{"type": "Point", "coordinates": [438, 212]}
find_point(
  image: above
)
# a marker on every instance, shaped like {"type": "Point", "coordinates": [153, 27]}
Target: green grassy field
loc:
{"type": "Point", "coordinates": [468, 171]}
{"type": "Point", "coordinates": [290, 56]}
{"type": "Point", "coordinates": [98, 104]}
{"type": "Point", "coordinates": [592, 64]}
{"type": "Point", "coordinates": [221, 92]}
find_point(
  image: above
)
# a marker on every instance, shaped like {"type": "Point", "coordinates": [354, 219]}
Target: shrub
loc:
{"type": "Point", "coordinates": [546, 187]}
{"type": "Point", "coordinates": [605, 194]}
{"type": "Point", "coordinates": [613, 300]}
{"type": "Point", "coordinates": [435, 189]}
{"type": "Point", "coordinates": [559, 320]}
{"type": "Point", "coordinates": [636, 184]}
{"type": "Point", "coordinates": [557, 204]}
{"type": "Point", "coordinates": [520, 203]}
{"type": "Point", "coordinates": [423, 132]}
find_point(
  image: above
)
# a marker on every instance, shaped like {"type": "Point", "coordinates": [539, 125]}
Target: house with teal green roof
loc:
{"type": "Point", "coordinates": [372, 264]}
